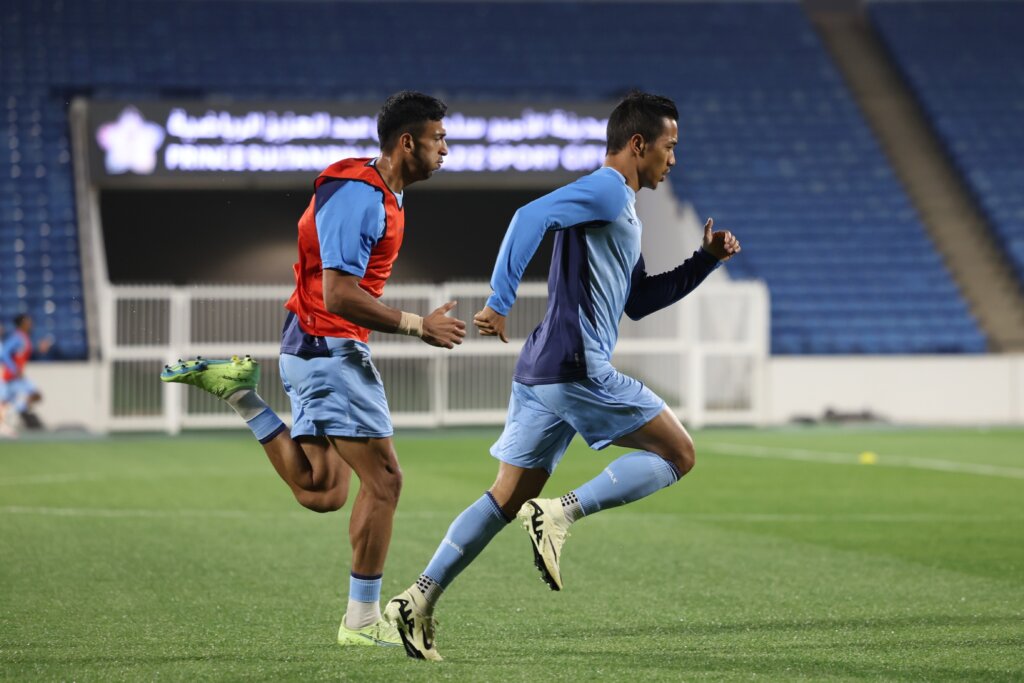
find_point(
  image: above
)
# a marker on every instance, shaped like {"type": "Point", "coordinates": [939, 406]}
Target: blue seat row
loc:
{"type": "Point", "coordinates": [772, 143]}
{"type": "Point", "coordinates": [965, 61]}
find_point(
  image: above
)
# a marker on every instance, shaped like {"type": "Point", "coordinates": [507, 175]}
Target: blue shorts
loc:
{"type": "Point", "coordinates": [13, 389]}
{"type": "Point", "coordinates": [340, 395]}
{"type": "Point", "coordinates": [542, 419]}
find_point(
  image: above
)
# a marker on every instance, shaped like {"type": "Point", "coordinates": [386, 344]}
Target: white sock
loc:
{"type": "Point", "coordinates": [247, 403]}
{"type": "Point", "coordinates": [361, 614]}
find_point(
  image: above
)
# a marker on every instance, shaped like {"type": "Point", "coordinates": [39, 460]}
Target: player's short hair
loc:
{"type": "Point", "coordinates": [406, 112]}
{"type": "Point", "coordinates": [20, 318]}
{"type": "Point", "coordinates": [639, 112]}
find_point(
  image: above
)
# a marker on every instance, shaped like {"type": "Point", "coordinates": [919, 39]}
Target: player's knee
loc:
{"type": "Point", "coordinates": [321, 501]}
{"type": "Point", "coordinates": [684, 456]}
{"type": "Point", "coordinates": [385, 485]}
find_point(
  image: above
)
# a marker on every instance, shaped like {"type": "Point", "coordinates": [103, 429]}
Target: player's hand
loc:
{"type": "Point", "coordinates": [45, 344]}
{"type": "Point", "coordinates": [723, 245]}
{"type": "Point", "coordinates": [441, 330]}
{"type": "Point", "coordinates": [490, 323]}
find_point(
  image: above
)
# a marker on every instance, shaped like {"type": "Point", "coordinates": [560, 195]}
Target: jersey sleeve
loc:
{"type": "Point", "coordinates": [11, 346]}
{"type": "Point", "coordinates": [349, 222]}
{"type": "Point", "coordinates": [589, 201]}
{"type": "Point", "coordinates": [650, 293]}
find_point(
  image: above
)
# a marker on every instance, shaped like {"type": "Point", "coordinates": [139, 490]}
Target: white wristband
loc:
{"type": "Point", "coordinates": [410, 324]}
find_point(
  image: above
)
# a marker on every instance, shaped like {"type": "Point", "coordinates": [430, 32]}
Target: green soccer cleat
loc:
{"type": "Point", "coordinates": [407, 612]}
{"type": "Point", "coordinates": [379, 633]}
{"type": "Point", "coordinates": [546, 525]}
{"type": "Point", "coordinates": [218, 377]}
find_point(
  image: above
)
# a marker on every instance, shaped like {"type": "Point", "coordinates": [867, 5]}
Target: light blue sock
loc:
{"type": "Point", "coordinates": [264, 422]}
{"type": "Point", "coordinates": [363, 600]}
{"type": "Point", "coordinates": [631, 477]}
{"type": "Point", "coordinates": [467, 536]}
{"type": "Point", "coordinates": [266, 426]}
{"type": "Point", "coordinates": [364, 588]}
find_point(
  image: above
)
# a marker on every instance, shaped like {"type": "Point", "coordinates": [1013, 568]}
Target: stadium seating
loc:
{"type": "Point", "coordinates": [974, 95]}
{"type": "Point", "coordinates": [772, 144]}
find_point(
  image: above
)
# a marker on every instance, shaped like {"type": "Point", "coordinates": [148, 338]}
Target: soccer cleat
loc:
{"type": "Point", "coordinates": [546, 525]}
{"type": "Point", "coordinates": [380, 633]}
{"type": "Point", "coordinates": [407, 612]}
{"type": "Point", "coordinates": [219, 377]}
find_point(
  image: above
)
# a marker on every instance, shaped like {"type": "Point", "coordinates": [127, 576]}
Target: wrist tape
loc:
{"type": "Point", "coordinates": [410, 324]}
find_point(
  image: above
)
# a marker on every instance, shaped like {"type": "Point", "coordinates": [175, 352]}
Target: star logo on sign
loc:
{"type": "Point", "coordinates": [131, 143]}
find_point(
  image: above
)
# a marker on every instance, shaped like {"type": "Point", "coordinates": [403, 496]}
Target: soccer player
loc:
{"type": "Point", "coordinates": [16, 390]}
{"type": "Point", "coordinates": [564, 382]}
{"type": "Point", "coordinates": [349, 237]}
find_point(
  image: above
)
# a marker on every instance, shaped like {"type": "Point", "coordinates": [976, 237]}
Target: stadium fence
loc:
{"type": "Point", "coordinates": [706, 356]}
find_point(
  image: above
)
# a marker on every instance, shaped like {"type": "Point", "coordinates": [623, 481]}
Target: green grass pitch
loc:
{"type": "Point", "coordinates": [779, 558]}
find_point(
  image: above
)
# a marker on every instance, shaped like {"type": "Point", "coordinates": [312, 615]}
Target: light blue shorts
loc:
{"type": "Point", "coordinates": [19, 387]}
{"type": "Point", "coordinates": [341, 395]}
{"type": "Point", "coordinates": [542, 419]}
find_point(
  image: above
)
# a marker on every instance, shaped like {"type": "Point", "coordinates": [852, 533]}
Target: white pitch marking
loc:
{"type": "Point", "coordinates": [772, 452]}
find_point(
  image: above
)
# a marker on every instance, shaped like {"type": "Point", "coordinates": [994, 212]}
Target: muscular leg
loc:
{"type": "Point", "coordinates": [665, 454]}
{"type": "Point", "coordinates": [373, 513]}
{"type": "Point", "coordinates": [380, 484]}
{"type": "Point", "coordinates": [666, 437]}
{"type": "Point", "coordinates": [312, 468]}
{"type": "Point", "coordinates": [516, 485]}
{"type": "Point", "coordinates": [474, 528]}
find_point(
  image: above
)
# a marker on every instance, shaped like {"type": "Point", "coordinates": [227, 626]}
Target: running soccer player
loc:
{"type": "Point", "coordinates": [16, 390]}
{"type": "Point", "coordinates": [564, 382]}
{"type": "Point", "coordinates": [349, 237]}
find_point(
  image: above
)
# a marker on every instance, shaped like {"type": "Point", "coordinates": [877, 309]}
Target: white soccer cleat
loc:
{"type": "Point", "coordinates": [546, 525]}
{"type": "Point", "coordinates": [408, 613]}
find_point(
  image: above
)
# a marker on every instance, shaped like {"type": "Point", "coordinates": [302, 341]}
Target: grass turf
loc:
{"type": "Point", "coordinates": [779, 557]}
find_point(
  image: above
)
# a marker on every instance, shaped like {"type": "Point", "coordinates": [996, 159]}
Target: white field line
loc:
{"type": "Point", "coordinates": [772, 452]}
{"type": "Point", "coordinates": [143, 513]}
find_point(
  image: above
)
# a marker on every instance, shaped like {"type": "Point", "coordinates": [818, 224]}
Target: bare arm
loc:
{"type": "Point", "coordinates": [344, 297]}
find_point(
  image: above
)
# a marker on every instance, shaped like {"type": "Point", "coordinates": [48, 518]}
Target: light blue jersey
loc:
{"type": "Point", "coordinates": [597, 273]}
{"type": "Point", "coordinates": [596, 247]}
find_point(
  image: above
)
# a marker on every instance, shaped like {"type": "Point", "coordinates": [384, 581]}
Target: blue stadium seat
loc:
{"type": "Point", "coordinates": [772, 144]}
{"type": "Point", "coordinates": [965, 61]}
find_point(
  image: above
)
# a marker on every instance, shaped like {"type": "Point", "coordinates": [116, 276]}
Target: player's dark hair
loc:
{"type": "Point", "coordinates": [406, 112]}
{"type": "Point", "coordinates": [639, 112]}
{"type": "Point", "coordinates": [19, 319]}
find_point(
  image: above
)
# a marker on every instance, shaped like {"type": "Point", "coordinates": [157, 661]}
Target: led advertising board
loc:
{"type": "Point", "coordinates": [254, 144]}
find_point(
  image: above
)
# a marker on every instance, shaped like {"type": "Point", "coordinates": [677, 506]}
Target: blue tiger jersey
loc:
{"type": "Point", "coordinates": [597, 273]}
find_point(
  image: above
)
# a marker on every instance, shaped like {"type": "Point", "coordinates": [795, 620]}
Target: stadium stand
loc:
{"type": "Point", "coordinates": [772, 143]}
{"type": "Point", "coordinates": [973, 94]}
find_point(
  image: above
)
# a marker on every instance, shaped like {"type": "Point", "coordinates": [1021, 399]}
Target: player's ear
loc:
{"type": "Point", "coordinates": [406, 141]}
{"type": "Point", "coordinates": [637, 143]}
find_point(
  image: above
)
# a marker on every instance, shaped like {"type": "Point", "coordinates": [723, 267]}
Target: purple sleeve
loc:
{"type": "Point", "coordinates": [650, 293]}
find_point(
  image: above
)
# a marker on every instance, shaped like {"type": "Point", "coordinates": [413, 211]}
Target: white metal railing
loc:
{"type": "Point", "coordinates": [706, 356]}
